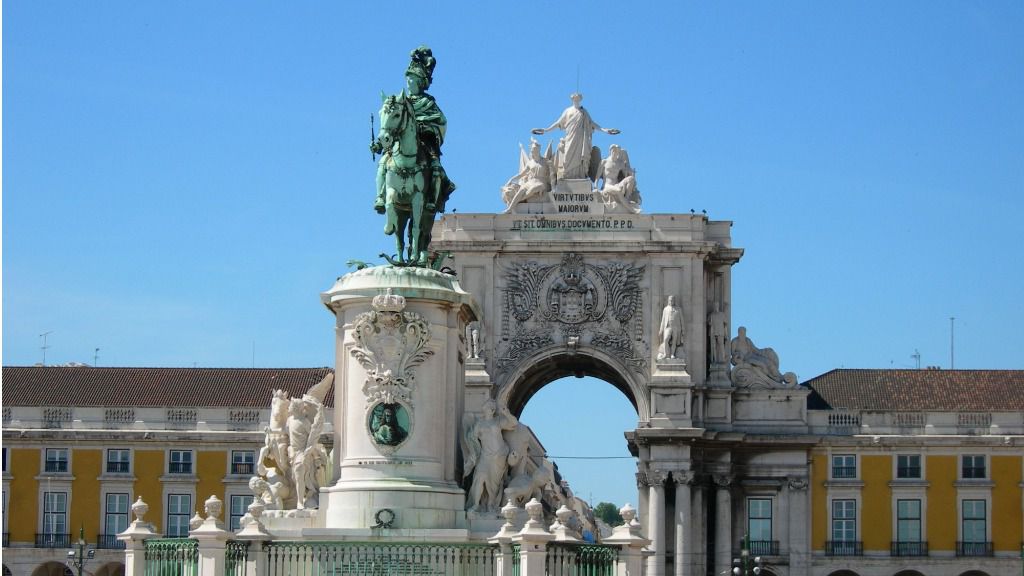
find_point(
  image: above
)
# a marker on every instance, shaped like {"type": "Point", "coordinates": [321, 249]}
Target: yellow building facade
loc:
{"type": "Point", "coordinates": [906, 473]}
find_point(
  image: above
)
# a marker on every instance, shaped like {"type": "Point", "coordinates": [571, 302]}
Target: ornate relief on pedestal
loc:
{"type": "Point", "coordinates": [390, 343]}
{"type": "Point", "coordinates": [572, 302]}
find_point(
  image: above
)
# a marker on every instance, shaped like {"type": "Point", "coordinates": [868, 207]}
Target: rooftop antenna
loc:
{"type": "Point", "coordinates": [45, 346]}
{"type": "Point", "coordinates": [577, 78]}
{"type": "Point", "coordinates": [951, 321]}
{"type": "Point", "coordinates": [917, 357]}
{"type": "Point", "coordinates": [96, 357]}
{"type": "Point", "coordinates": [253, 353]}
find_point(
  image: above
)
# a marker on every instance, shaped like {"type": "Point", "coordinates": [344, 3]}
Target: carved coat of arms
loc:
{"type": "Point", "coordinates": [390, 343]}
{"type": "Point", "coordinates": [573, 301]}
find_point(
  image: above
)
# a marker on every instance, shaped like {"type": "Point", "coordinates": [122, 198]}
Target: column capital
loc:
{"type": "Point", "coordinates": [657, 478]}
{"type": "Point", "coordinates": [723, 480]}
{"type": "Point", "coordinates": [683, 477]}
{"type": "Point", "coordinates": [641, 480]}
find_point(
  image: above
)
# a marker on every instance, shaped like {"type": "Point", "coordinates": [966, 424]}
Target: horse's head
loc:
{"type": "Point", "coordinates": [395, 117]}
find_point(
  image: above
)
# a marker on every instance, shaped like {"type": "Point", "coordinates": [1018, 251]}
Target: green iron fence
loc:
{"type": "Point", "coordinates": [234, 558]}
{"type": "Point", "coordinates": [516, 548]}
{"type": "Point", "coordinates": [172, 557]}
{"type": "Point", "coordinates": [379, 559]}
{"type": "Point", "coordinates": [581, 559]}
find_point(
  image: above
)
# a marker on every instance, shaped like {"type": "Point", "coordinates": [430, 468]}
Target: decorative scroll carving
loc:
{"type": "Point", "coordinates": [657, 478]}
{"type": "Point", "coordinates": [683, 477]}
{"type": "Point", "coordinates": [390, 343]}
{"type": "Point", "coordinates": [574, 303]}
{"type": "Point", "coordinates": [798, 483]}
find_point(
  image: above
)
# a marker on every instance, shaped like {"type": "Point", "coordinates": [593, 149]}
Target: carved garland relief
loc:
{"type": "Point", "coordinates": [573, 302]}
{"type": "Point", "coordinates": [390, 343]}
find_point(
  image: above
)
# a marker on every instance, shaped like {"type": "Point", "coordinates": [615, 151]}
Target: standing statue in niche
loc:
{"type": "Point", "coordinates": [670, 330]}
{"type": "Point", "coordinates": [756, 366]}
{"type": "Point", "coordinates": [618, 182]}
{"type": "Point", "coordinates": [412, 186]}
{"type": "Point", "coordinates": [576, 158]}
{"type": "Point", "coordinates": [536, 176]}
{"type": "Point", "coordinates": [485, 457]}
{"type": "Point", "coordinates": [718, 329]}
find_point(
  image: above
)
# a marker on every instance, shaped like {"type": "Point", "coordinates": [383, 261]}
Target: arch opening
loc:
{"type": "Point", "coordinates": [548, 366]}
{"type": "Point", "coordinates": [52, 569]}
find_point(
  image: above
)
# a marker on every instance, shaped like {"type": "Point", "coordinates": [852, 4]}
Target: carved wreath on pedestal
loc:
{"type": "Point", "coordinates": [389, 344]}
{"type": "Point", "coordinates": [572, 302]}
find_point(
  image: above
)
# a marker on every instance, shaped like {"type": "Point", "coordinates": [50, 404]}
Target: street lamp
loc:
{"type": "Point", "coordinates": [78, 555]}
{"type": "Point", "coordinates": [744, 566]}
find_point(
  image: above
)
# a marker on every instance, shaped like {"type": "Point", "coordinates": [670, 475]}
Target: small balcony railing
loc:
{"type": "Point", "coordinates": [53, 540]}
{"type": "Point", "coordinates": [973, 548]}
{"type": "Point", "coordinates": [56, 466]}
{"type": "Point", "coordinates": [118, 467]}
{"type": "Point", "coordinates": [242, 468]}
{"type": "Point", "coordinates": [763, 547]}
{"type": "Point", "coordinates": [844, 548]}
{"type": "Point", "coordinates": [179, 468]}
{"type": "Point", "coordinates": [909, 549]}
{"type": "Point", "coordinates": [109, 542]}
{"type": "Point", "coordinates": [844, 471]}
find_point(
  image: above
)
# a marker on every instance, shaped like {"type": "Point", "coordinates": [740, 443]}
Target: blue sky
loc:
{"type": "Point", "coordinates": [181, 180]}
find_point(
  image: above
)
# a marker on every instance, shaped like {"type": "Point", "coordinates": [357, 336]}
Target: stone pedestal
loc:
{"type": "Point", "coordinates": [398, 400]}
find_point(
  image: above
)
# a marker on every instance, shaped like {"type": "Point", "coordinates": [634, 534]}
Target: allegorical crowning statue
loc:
{"type": "Point", "coordinates": [611, 179]}
{"type": "Point", "coordinates": [412, 186]}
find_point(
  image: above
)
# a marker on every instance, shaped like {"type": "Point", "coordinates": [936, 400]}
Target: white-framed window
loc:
{"type": "Point", "coordinates": [908, 520]}
{"type": "Point", "coordinates": [243, 462]}
{"type": "Point", "coordinates": [974, 521]}
{"type": "Point", "coordinates": [55, 514]}
{"type": "Point", "coordinates": [4, 450]}
{"type": "Point", "coordinates": [972, 466]}
{"type": "Point", "coordinates": [115, 515]}
{"type": "Point", "coordinates": [908, 466]}
{"type": "Point", "coordinates": [56, 461]}
{"type": "Point", "coordinates": [119, 461]}
{"type": "Point", "coordinates": [844, 466]}
{"type": "Point", "coordinates": [759, 519]}
{"type": "Point", "coordinates": [179, 510]}
{"type": "Point", "coordinates": [237, 508]}
{"type": "Point", "coordinates": [180, 462]}
{"type": "Point", "coordinates": [844, 520]}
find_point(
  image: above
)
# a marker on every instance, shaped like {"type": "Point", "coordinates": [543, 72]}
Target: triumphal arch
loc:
{"type": "Point", "coordinates": [438, 351]}
{"type": "Point", "coordinates": [576, 278]}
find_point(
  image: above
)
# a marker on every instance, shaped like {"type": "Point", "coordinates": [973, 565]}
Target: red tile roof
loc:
{"type": "Point", "coordinates": [154, 387]}
{"type": "Point", "coordinates": [919, 390]}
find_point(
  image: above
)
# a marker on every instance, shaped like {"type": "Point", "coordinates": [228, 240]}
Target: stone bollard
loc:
{"type": "Point", "coordinates": [533, 541]}
{"type": "Point", "coordinates": [504, 540]}
{"type": "Point", "coordinates": [561, 528]}
{"type": "Point", "coordinates": [134, 539]}
{"type": "Point", "coordinates": [626, 536]}
{"type": "Point", "coordinates": [254, 532]}
{"type": "Point", "coordinates": [212, 539]}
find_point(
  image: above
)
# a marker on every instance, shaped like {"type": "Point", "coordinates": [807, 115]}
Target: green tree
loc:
{"type": "Point", "coordinates": [608, 513]}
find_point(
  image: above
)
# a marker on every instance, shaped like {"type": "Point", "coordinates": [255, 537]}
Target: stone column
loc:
{"type": "Point", "coordinates": [698, 539]}
{"type": "Point", "coordinates": [656, 521]}
{"type": "Point", "coordinates": [723, 523]}
{"type": "Point", "coordinates": [799, 536]}
{"type": "Point", "coordinates": [631, 557]}
{"type": "Point", "coordinates": [533, 541]}
{"type": "Point", "coordinates": [684, 541]}
{"type": "Point", "coordinates": [134, 539]}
